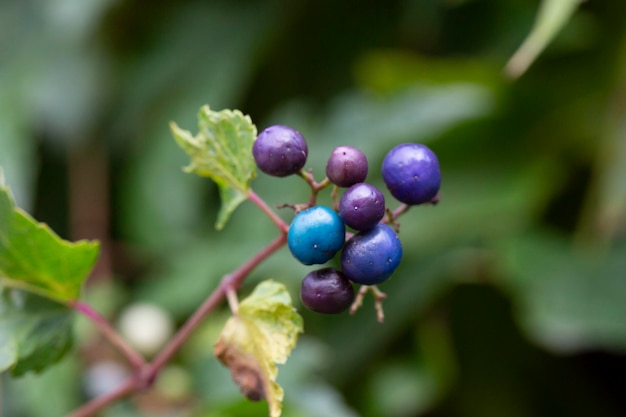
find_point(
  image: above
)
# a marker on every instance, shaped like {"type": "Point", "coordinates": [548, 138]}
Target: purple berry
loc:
{"type": "Point", "coordinates": [280, 151]}
{"type": "Point", "coordinates": [346, 166]}
{"type": "Point", "coordinates": [370, 257]}
{"type": "Point", "coordinates": [327, 291]}
{"type": "Point", "coordinates": [362, 206]}
{"type": "Point", "coordinates": [411, 173]}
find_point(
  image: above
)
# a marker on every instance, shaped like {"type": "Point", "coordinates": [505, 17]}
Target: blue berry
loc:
{"type": "Point", "coordinates": [362, 206]}
{"type": "Point", "coordinates": [370, 257]}
{"type": "Point", "coordinates": [346, 166]}
{"type": "Point", "coordinates": [280, 151]}
{"type": "Point", "coordinates": [411, 173]}
{"type": "Point", "coordinates": [327, 291]}
{"type": "Point", "coordinates": [316, 235]}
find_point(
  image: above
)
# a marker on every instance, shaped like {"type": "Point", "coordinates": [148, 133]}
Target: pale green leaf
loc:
{"type": "Point", "coordinates": [222, 151]}
{"type": "Point", "coordinates": [34, 258]}
{"type": "Point", "coordinates": [552, 16]}
{"type": "Point", "coordinates": [261, 335]}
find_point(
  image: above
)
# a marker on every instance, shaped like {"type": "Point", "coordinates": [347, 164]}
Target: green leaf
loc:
{"type": "Point", "coordinates": [261, 335]}
{"type": "Point", "coordinates": [34, 258]}
{"type": "Point", "coordinates": [552, 16]}
{"type": "Point", "coordinates": [222, 151]}
{"type": "Point", "coordinates": [567, 299]}
{"type": "Point", "coordinates": [34, 332]}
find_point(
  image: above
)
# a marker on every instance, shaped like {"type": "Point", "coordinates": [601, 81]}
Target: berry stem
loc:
{"type": "Point", "coordinates": [379, 296]}
{"type": "Point", "coordinates": [256, 199]}
{"type": "Point", "coordinates": [316, 187]}
{"type": "Point", "coordinates": [392, 216]}
{"type": "Point", "coordinates": [358, 300]}
{"type": "Point", "coordinates": [402, 208]}
{"type": "Point", "coordinates": [107, 330]}
{"type": "Point", "coordinates": [333, 195]}
{"type": "Point", "coordinates": [233, 301]}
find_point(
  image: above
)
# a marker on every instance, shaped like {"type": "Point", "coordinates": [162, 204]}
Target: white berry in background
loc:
{"type": "Point", "coordinates": [146, 327]}
{"type": "Point", "coordinates": [103, 377]}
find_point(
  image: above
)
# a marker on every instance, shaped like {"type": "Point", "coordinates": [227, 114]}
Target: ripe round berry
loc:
{"type": "Point", "coordinates": [280, 151]}
{"type": "Point", "coordinates": [346, 166]}
{"type": "Point", "coordinates": [327, 291]}
{"type": "Point", "coordinates": [362, 206]}
{"type": "Point", "coordinates": [316, 235]}
{"type": "Point", "coordinates": [411, 173]}
{"type": "Point", "coordinates": [370, 257]}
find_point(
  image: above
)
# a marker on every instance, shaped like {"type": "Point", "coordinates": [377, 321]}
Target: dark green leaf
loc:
{"type": "Point", "coordinates": [34, 332]}
{"type": "Point", "coordinates": [568, 300]}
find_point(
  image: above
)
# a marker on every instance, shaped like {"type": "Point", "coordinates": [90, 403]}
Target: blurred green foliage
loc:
{"type": "Point", "coordinates": [510, 298]}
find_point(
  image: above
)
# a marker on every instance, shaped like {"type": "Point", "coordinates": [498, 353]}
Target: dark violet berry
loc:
{"type": "Point", "coordinates": [411, 173]}
{"type": "Point", "coordinates": [316, 235]}
{"type": "Point", "coordinates": [346, 166]}
{"type": "Point", "coordinates": [370, 257]}
{"type": "Point", "coordinates": [280, 151]}
{"type": "Point", "coordinates": [362, 206]}
{"type": "Point", "coordinates": [327, 291]}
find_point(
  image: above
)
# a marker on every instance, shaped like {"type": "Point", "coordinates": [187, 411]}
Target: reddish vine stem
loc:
{"type": "Point", "coordinates": [146, 374]}
{"type": "Point", "coordinates": [107, 330]}
{"type": "Point", "coordinates": [92, 407]}
{"type": "Point", "coordinates": [231, 281]}
{"type": "Point", "coordinates": [282, 226]}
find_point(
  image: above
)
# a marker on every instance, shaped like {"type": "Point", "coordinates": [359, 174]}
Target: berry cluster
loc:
{"type": "Point", "coordinates": [317, 233]}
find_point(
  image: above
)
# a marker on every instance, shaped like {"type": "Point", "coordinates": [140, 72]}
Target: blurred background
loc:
{"type": "Point", "coordinates": [511, 296]}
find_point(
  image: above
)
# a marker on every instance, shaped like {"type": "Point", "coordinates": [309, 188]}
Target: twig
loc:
{"type": "Point", "coordinates": [230, 281]}
{"type": "Point", "coordinates": [145, 374]}
{"type": "Point", "coordinates": [107, 330]}
{"type": "Point", "coordinates": [282, 226]}
{"type": "Point", "coordinates": [131, 385]}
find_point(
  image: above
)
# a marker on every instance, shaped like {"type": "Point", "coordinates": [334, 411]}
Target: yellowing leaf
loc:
{"type": "Point", "coordinates": [222, 151]}
{"type": "Point", "coordinates": [261, 335]}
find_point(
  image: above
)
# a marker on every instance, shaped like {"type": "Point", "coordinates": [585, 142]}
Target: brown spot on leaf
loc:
{"type": "Point", "coordinates": [244, 369]}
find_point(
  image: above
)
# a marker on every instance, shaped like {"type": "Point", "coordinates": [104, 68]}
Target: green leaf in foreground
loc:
{"type": "Point", "coordinates": [553, 15]}
{"type": "Point", "coordinates": [261, 335]}
{"type": "Point", "coordinates": [222, 151]}
{"type": "Point", "coordinates": [34, 258]}
{"type": "Point", "coordinates": [34, 332]}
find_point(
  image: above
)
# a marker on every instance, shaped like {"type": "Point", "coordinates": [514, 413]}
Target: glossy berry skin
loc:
{"type": "Point", "coordinates": [411, 173]}
{"type": "Point", "coordinates": [327, 291]}
{"type": "Point", "coordinates": [346, 166]}
{"type": "Point", "coordinates": [362, 206]}
{"type": "Point", "coordinates": [370, 257]}
{"type": "Point", "coordinates": [316, 235]}
{"type": "Point", "coordinates": [280, 151]}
